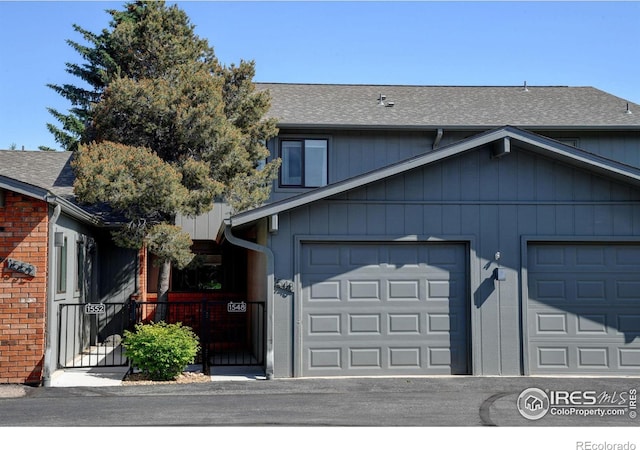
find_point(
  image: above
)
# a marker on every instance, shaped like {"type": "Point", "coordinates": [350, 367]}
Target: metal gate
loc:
{"type": "Point", "coordinates": [90, 334]}
{"type": "Point", "coordinates": [231, 333]}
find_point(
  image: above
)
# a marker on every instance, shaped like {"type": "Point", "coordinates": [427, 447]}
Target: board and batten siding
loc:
{"type": "Point", "coordinates": [623, 147]}
{"type": "Point", "coordinates": [488, 203]}
{"type": "Point", "coordinates": [205, 226]}
{"type": "Point", "coordinates": [353, 153]}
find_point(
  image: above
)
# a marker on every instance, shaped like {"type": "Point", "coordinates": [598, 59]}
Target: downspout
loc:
{"type": "Point", "coordinates": [270, 288]}
{"type": "Point", "coordinates": [439, 134]}
{"type": "Point", "coordinates": [50, 324]}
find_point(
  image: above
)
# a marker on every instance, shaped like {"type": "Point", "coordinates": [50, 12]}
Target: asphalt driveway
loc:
{"type": "Point", "coordinates": [375, 402]}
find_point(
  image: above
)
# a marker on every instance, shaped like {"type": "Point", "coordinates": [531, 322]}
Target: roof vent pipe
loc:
{"type": "Point", "coordinates": [381, 99]}
{"type": "Point", "coordinates": [525, 89]}
{"type": "Point", "coordinates": [628, 109]}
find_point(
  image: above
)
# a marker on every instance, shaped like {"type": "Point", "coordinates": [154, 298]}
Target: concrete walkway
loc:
{"type": "Point", "coordinates": [113, 376]}
{"type": "Point", "coordinates": [94, 376]}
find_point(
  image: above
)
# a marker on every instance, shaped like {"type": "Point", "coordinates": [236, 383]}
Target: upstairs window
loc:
{"type": "Point", "coordinates": [304, 162]}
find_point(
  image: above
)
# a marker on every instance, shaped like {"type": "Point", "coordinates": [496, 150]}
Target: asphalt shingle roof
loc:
{"type": "Point", "coordinates": [50, 171]}
{"type": "Point", "coordinates": [342, 105]}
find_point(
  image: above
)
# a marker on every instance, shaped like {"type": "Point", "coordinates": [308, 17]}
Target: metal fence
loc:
{"type": "Point", "coordinates": [90, 334]}
{"type": "Point", "coordinates": [231, 333]}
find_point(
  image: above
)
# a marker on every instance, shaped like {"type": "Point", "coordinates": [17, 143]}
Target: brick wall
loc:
{"type": "Point", "coordinates": [23, 236]}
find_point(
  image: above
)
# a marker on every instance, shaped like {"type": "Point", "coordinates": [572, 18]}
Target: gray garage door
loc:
{"type": "Point", "coordinates": [583, 310]}
{"type": "Point", "coordinates": [383, 309]}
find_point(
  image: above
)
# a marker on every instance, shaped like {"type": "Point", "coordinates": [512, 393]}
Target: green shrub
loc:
{"type": "Point", "coordinates": [160, 350]}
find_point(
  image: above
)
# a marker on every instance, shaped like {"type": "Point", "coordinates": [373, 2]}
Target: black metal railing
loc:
{"type": "Point", "coordinates": [231, 333]}
{"type": "Point", "coordinates": [90, 334]}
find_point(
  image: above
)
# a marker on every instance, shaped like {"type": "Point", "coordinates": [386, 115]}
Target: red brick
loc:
{"type": "Point", "coordinates": [22, 324]}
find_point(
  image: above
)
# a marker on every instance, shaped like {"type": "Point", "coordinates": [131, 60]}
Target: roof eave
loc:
{"type": "Point", "coordinates": [44, 195]}
{"type": "Point", "coordinates": [74, 210]}
{"type": "Point", "coordinates": [360, 180]}
{"type": "Point", "coordinates": [524, 138]}
{"type": "Point", "coordinates": [418, 127]}
{"type": "Point", "coordinates": [22, 188]}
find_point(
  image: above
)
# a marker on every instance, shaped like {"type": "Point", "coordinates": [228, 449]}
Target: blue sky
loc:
{"type": "Point", "coordinates": [417, 42]}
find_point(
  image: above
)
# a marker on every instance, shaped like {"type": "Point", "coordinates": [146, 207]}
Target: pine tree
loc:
{"type": "Point", "coordinates": [166, 130]}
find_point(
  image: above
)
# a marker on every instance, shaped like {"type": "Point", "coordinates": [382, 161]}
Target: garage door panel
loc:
{"type": "Point", "coordinates": [364, 257]}
{"type": "Point", "coordinates": [400, 316]}
{"type": "Point", "coordinates": [546, 323]}
{"type": "Point", "coordinates": [627, 257]}
{"type": "Point", "coordinates": [552, 357]}
{"type": "Point", "coordinates": [629, 358]}
{"type": "Point", "coordinates": [594, 359]}
{"type": "Point", "coordinates": [585, 324]}
{"type": "Point", "coordinates": [440, 289]}
{"type": "Point", "coordinates": [583, 308]}
{"type": "Point", "coordinates": [627, 289]}
{"type": "Point", "coordinates": [439, 357]}
{"type": "Point", "coordinates": [404, 324]}
{"type": "Point", "coordinates": [404, 357]}
{"type": "Point", "coordinates": [324, 257]}
{"type": "Point", "coordinates": [591, 323]}
{"type": "Point", "coordinates": [324, 290]}
{"type": "Point", "coordinates": [571, 288]}
{"type": "Point", "coordinates": [590, 257]}
{"type": "Point", "coordinates": [584, 258]}
{"type": "Point", "coordinates": [365, 358]}
{"type": "Point", "coordinates": [442, 257]}
{"type": "Point", "coordinates": [629, 323]}
{"type": "Point", "coordinates": [325, 358]}
{"type": "Point", "coordinates": [324, 324]}
{"type": "Point", "coordinates": [404, 290]}
{"type": "Point", "coordinates": [363, 290]}
{"type": "Point", "coordinates": [404, 255]}
{"type": "Point", "coordinates": [443, 323]}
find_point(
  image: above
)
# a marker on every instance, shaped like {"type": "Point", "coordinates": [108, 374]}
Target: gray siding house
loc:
{"type": "Point", "coordinates": [413, 230]}
{"type": "Point", "coordinates": [418, 230]}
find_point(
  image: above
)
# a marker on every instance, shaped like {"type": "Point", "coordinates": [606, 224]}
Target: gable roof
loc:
{"type": "Point", "coordinates": [39, 171]}
{"type": "Point", "coordinates": [463, 107]}
{"type": "Point", "coordinates": [501, 138]}
{"type": "Point", "coordinates": [47, 176]}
